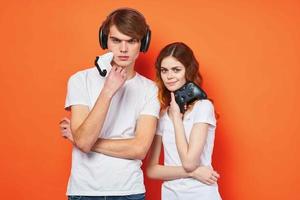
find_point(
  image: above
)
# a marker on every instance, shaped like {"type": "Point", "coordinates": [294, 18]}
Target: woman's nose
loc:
{"type": "Point", "coordinates": [169, 75]}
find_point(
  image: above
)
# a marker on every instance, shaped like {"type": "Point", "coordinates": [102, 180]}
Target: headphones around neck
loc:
{"type": "Point", "coordinates": [145, 41]}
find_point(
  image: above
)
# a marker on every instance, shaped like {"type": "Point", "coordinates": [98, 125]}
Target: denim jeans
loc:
{"type": "Point", "coordinates": [128, 197]}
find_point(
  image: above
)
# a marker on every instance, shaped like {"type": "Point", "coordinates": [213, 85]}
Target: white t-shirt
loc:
{"type": "Point", "coordinates": [95, 174]}
{"type": "Point", "coordinates": [188, 188]}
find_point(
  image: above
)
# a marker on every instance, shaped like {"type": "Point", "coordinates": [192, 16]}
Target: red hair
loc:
{"type": "Point", "coordinates": [183, 54]}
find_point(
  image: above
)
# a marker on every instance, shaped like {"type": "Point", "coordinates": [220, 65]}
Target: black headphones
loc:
{"type": "Point", "coordinates": [145, 41]}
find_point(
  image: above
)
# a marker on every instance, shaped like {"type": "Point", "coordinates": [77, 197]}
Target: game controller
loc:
{"type": "Point", "coordinates": [103, 63]}
{"type": "Point", "coordinates": [187, 94]}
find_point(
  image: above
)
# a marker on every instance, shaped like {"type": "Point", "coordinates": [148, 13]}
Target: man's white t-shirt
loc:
{"type": "Point", "coordinates": [188, 188]}
{"type": "Point", "coordinates": [95, 174]}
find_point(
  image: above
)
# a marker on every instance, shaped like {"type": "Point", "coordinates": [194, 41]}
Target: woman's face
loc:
{"type": "Point", "coordinates": [172, 73]}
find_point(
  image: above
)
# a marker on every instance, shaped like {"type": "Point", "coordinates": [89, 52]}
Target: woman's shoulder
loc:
{"type": "Point", "coordinates": [203, 111]}
{"type": "Point", "coordinates": [204, 104]}
{"type": "Point", "coordinates": [163, 114]}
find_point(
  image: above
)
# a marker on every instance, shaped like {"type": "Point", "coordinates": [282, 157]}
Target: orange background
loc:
{"type": "Point", "coordinates": [249, 56]}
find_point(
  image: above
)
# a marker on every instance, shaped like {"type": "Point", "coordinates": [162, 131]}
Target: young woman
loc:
{"type": "Point", "coordinates": [187, 139]}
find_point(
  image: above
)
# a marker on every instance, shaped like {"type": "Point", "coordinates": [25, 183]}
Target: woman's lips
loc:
{"type": "Point", "coordinates": [171, 83]}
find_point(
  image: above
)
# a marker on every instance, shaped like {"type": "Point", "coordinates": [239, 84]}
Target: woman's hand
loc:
{"type": "Point", "coordinates": [65, 128]}
{"type": "Point", "coordinates": [205, 175]}
{"type": "Point", "coordinates": [174, 110]}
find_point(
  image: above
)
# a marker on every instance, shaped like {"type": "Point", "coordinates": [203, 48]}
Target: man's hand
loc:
{"type": "Point", "coordinates": [205, 175]}
{"type": "Point", "coordinates": [115, 79]}
{"type": "Point", "coordinates": [65, 128]}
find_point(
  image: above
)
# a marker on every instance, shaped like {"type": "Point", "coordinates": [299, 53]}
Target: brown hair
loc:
{"type": "Point", "coordinates": [128, 21]}
{"type": "Point", "coordinates": [183, 54]}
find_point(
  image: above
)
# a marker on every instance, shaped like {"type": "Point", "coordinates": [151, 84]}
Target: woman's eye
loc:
{"type": "Point", "coordinates": [163, 70]}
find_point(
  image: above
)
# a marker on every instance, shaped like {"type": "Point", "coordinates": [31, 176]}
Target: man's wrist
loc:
{"type": "Point", "coordinates": [106, 93]}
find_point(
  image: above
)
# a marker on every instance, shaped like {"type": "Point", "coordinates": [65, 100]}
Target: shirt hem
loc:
{"type": "Point", "coordinates": [106, 193]}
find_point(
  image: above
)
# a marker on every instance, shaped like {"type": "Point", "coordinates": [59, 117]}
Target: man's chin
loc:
{"type": "Point", "coordinates": [123, 64]}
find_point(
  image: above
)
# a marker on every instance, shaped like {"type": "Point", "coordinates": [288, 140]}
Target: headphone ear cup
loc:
{"type": "Point", "coordinates": [102, 39]}
{"type": "Point", "coordinates": [145, 43]}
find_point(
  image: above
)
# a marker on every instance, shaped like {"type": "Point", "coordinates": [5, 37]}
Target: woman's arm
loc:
{"type": "Point", "coordinates": [203, 174]}
{"type": "Point", "coordinates": [161, 172]}
{"type": "Point", "coordinates": [189, 153]}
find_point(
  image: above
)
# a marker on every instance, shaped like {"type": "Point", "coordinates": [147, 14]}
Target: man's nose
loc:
{"type": "Point", "coordinates": [123, 47]}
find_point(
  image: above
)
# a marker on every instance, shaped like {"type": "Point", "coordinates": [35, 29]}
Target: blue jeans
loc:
{"type": "Point", "coordinates": [128, 197]}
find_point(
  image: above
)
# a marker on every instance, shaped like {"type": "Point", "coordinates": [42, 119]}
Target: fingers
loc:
{"type": "Point", "coordinates": [119, 69]}
{"type": "Point", "coordinates": [65, 133]}
{"type": "Point", "coordinates": [214, 173]}
{"type": "Point", "coordinates": [64, 120]}
{"type": "Point", "coordinates": [124, 73]}
{"type": "Point", "coordinates": [214, 177]}
{"type": "Point", "coordinates": [114, 67]}
{"type": "Point", "coordinates": [172, 96]}
{"type": "Point", "coordinates": [64, 126]}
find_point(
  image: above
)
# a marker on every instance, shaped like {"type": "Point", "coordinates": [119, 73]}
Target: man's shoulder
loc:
{"type": "Point", "coordinates": [83, 74]}
{"type": "Point", "coordinates": [145, 81]}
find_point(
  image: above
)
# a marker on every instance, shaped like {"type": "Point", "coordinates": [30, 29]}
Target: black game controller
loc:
{"type": "Point", "coordinates": [187, 94]}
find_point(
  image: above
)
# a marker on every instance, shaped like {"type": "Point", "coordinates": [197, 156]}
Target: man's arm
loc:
{"type": "Point", "coordinates": [133, 148]}
{"type": "Point", "coordinates": [86, 124]}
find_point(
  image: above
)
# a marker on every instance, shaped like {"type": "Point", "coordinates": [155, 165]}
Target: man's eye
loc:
{"type": "Point", "coordinates": [133, 41]}
{"type": "Point", "coordinates": [115, 40]}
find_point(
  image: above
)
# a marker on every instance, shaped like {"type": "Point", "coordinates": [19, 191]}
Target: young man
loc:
{"type": "Point", "coordinates": [113, 118]}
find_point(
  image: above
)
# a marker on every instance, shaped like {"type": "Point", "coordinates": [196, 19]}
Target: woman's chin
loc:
{"type": "Point", "coordinates": [172, 89]}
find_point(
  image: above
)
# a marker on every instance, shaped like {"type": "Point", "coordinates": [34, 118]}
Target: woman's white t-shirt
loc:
{"type": "Point", "coordinates": [188, 188]}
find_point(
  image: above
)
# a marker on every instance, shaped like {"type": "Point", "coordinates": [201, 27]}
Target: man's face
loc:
{"type": "Point", "coordinates": [125, 48]}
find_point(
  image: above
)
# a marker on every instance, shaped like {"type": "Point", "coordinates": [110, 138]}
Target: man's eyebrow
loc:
{"type": "Point", "coordinates": [112, 37]}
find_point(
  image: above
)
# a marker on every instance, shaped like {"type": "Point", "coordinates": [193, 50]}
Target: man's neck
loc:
{"type": "Point", "coordinates": [130, 73]}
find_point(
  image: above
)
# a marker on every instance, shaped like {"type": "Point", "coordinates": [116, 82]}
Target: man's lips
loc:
{"type": "Point", "coordinates": [123, 58]}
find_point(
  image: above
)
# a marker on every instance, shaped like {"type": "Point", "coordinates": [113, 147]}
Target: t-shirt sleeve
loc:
{"type": "Point", "coordinates": [159, 129]}
{"type": "Point", "coordinates": [205, 113]}
{"type": "Point", "coordinates": [152, 105]}
{"type": "Point", "coordinates": [76, 91]}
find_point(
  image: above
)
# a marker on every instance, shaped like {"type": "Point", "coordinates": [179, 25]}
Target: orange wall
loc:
{"type": "Point", "coordinates": [249, 56]}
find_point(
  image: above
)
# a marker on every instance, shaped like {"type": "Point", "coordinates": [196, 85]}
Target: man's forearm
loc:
{"type": "Point", "coordinates": [132, 148]}
{"type": "Point", "coordinates": [87, 133]}
{"type": "Point", "coordinates": [121, 148]}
